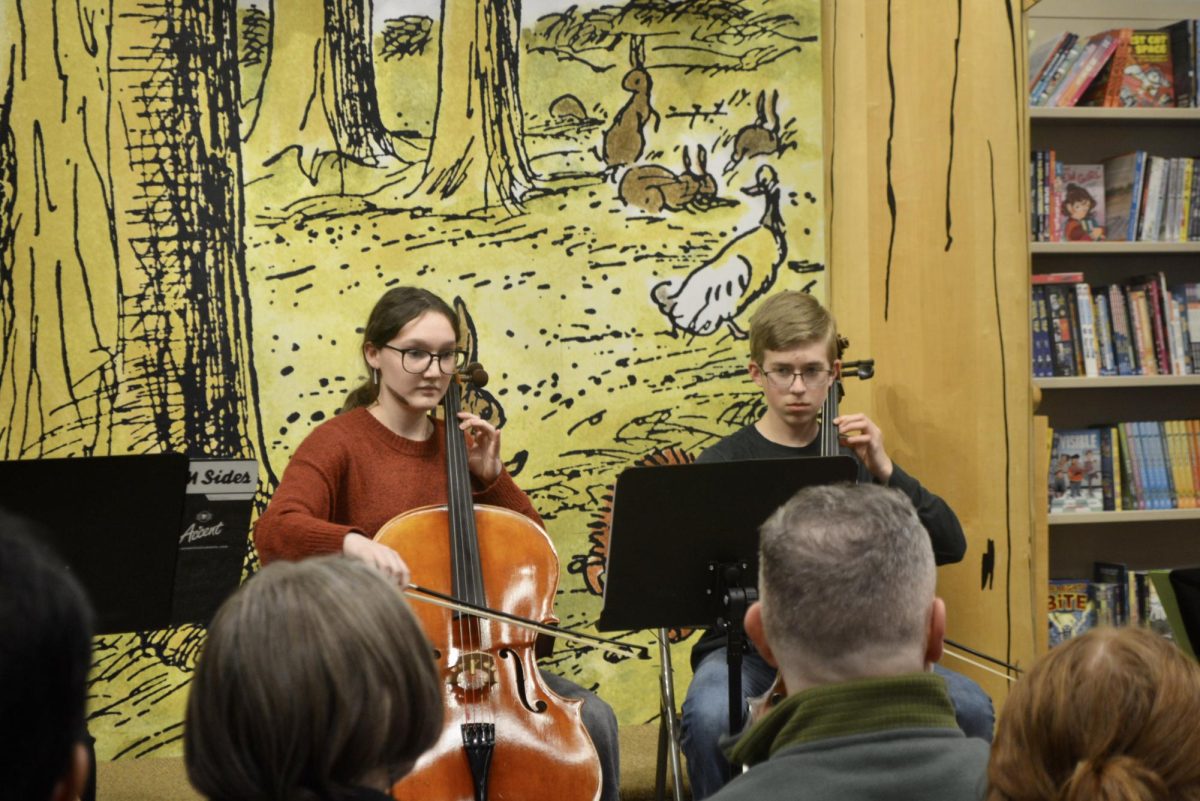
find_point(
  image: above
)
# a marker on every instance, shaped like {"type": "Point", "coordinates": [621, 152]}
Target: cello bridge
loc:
{"type": "Point", "coordinates": [474, 672]}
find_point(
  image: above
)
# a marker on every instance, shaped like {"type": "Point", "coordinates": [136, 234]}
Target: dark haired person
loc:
{"type": "Point", "coordinates": [385, 455]}
{"type": "Point", "coordinates": [45, 655]}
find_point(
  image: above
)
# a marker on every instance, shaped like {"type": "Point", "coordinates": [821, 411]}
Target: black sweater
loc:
{"type": "Point", "coordinates": [945, 532]}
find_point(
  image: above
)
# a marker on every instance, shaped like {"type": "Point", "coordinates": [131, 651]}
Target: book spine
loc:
{"type": "Point", "coordinates": [1143, 336]}
{"type": "Point", "coordinates": [1060, 331]}
{"type": "Point", "coordinates": [1098, 57]}
{"type": "Point", "coordinates": [1116, 71]}
{"type": "Point", "coordinates": [1087, 330]}
{"type": "Point", "coordinates": [1119, 501]}
{"type": "Point", "coordinates": [1170, 499]}
{"type": "Point", "coordinates": [1193, 440]}
{"type": "Point", "coordinates": [1193, 228]}
{"type": "Point", "coordinates": [1133, 486]}
{"type": "Point", "coordinates": [1181, 62]}
{"type": "Point", "coordinates": [1192, 312]}
{"type": "Point", "coordinates": [1107, 488]}
{"type": "Point", "coordinates": [1043, 359]}
{"type": "Point", "coordinates": [1065, 94]}
{"type": "Point", "coordinates": [1158, 326]}
{"type": "Point", "coordinates": [1104, 334]}
{"type": "Point", "coordinates": [1135, 203]}
{"type": "Point", "coordinates": [1122, 341]}
{"type": "Point", "coordinates": [1180, 310]}
{"type": "Point", "coordinates": [1076, 337]}
{"type": "Point", "coordinates": [1185, 203]}
{"type": "Point", "coordinates": [1181, 474]}
{"type": "Point", "coordinates": [1175, 335]}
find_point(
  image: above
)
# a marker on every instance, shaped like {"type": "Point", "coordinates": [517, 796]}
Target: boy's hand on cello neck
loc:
{"type": "Point", "coordinates": [859, 433]}
{"type": "Point", "coordinates": [483, 447]}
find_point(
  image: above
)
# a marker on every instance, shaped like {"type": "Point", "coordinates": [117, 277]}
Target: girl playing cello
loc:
{"type": "Point", "coordinates": [385, 454]}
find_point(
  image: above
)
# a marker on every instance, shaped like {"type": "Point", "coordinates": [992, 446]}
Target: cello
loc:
{"type": "Point", "coordinates": [505, 734]}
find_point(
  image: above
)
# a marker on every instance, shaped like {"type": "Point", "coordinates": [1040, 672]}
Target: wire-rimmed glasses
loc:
{"type": "Point", "coordinates": [811, 377]}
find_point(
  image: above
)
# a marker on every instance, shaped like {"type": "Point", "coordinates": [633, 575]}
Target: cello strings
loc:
{"type": "Point", "coordinates": [455, 512]}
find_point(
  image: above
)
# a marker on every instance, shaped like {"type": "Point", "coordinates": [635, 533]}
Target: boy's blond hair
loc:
{"type": "Point", "coordinates": [790, 320]}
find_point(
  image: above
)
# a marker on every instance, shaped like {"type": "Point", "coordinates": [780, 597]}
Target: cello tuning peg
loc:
{"type": "Point", "coordinates": [475, 374]}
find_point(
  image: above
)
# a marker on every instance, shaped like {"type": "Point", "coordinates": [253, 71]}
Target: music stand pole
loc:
{"type": "Point", "coordinates": [668, 729]}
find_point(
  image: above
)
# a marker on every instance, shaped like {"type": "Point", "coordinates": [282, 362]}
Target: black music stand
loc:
{"type": "Point", "coordinates": [683, 553]}
{"type": "Point", "coordinates": [117, 523]}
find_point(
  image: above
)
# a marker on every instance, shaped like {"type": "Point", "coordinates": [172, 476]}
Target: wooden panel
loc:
{"type": "Point", "coordinates": [929, 276]}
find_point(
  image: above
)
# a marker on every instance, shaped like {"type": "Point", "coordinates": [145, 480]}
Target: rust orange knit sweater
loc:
{"type": "Point", "coordinates": [352, 473]}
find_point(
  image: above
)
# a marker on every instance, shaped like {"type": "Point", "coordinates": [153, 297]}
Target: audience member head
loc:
{"type": "Point", "coordinates": [45, 655]}
{"type": "Point", "coordinates": [789, 320]}
{"type": "Point", "coordinates": [315, 678]}
{"type": "Point", "coordinates": [397, 308]}
{"type": "Point", "coordinates": [846, 587]}
{"type": "Point", "coordinates": [1113, 715]}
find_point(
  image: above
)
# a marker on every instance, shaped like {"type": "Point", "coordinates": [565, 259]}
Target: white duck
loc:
{"type": "Point", "coordinates": [716, 292]}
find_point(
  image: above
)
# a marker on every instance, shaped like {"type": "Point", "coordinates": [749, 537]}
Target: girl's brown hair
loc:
{"type": "Point", "coordinates": [315, 678]}
{"type": "Point", "coordinates": [1110, 716]}
{"type": "Point", "coordinates": [397, 308]}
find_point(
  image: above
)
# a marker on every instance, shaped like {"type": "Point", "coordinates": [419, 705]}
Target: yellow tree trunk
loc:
{"type": "Point", "coordinates": [929, 275]}
{"type": "Point", "coordinates": [58, 278]}
{"type": "Point", "coordinates": [318, 94]}
{"type": "Point", "coordinates": [477, 156]}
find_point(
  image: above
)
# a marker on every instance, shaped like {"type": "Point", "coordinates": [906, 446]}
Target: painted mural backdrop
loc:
{"type": "Point", "coordinates": [200, 202]}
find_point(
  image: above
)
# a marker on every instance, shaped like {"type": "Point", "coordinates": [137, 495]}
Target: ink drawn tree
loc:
{"type": "Point", "coordinates": [477, 154]}
{"type": "Point", "coordinates": [124, 321]}
{"type": "Point", "coordinates": [58, 275]}
{"type": "Point", "coordinates": [318, 95]}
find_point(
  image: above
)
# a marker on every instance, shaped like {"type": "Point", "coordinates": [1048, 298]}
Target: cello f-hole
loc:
{"type": "Point", "coordinates": [537, 708]}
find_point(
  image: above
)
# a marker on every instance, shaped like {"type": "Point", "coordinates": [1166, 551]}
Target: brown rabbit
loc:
{"type": "Point", "coordinates": [624, 141]}
{"type": "Point", "coordinates": [654, 188]}
{"type": "Point", "coordinates": [760, 138]}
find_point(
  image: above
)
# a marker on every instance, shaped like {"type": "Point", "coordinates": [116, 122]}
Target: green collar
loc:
{"type": "Point", "coordinates": [913, 700]}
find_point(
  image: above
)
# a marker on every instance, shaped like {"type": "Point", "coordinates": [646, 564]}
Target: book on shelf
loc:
{"type": "Point", "coordinates": [1095, 56]}
{"type": "Point", "coordinates": [1043, 356]}
{"type": "Point", "coordinates": [1075, 477]}
{"type": "Point", "coordinates": [1147, 72]}
{"type": "Point", "coordinates": [1131, 197]}
{"type": "Point", "coordinates": [1164, 600]}
{"type": "Point", "coordinates": [1182, 37]}
{"type": "Point", "coordinates": [1087, 330]}
{"type": "Point", "coordinates": [1117, 68]}
{"type": "Point", "coordinates": [1064, 57]}
{"type": "Point", "coordinates": [1143, 327]}
{"type": "Point", "coordinates": [1122, 194]}
{"type": "Point", "coordinates": [1082, 203]}
{"type": "Point", "coordinates": [1104, 340]}
{"type": "Point", "coordinates": [1118, 312]}
{"type": "Point", "coordinates": [1130, 465]}
{"type": "Point", "coordinates": [1071, 610]}
{"type": "Point", "coordinates": [1045, 60]}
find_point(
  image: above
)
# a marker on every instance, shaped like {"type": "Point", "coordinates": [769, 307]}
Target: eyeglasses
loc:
{"type": "Point", "coordinates": [416, 360]}
{"type": "Point", "coordinates": [811, 377]}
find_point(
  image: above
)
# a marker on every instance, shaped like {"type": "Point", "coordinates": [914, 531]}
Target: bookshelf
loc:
{"type": "Point", "coordinates": [1141, 539]}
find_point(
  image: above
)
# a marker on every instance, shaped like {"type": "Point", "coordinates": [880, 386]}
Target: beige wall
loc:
{"type": "Point", "coordinates": [936, 292]}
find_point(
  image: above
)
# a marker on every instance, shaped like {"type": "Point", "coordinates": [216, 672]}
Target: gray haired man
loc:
{"type": "Point", "coordinates": [847, 612]}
